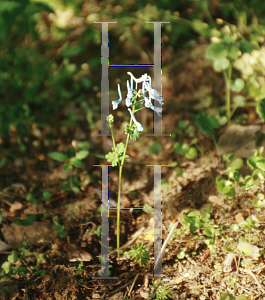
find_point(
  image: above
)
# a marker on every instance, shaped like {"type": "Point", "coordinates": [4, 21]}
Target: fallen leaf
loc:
{"type": "Point", "coordinates": [15, 206]}
{"type": "Point", "coordinates": [216, 200]}
{"type": "Point", "coordinates": [239, 218]}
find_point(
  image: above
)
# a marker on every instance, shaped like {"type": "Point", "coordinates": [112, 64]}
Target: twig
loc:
{"type": "Point", "coordinates": [255, 278]}
{"type": "Point", "coordinates": [116, 291]}
{"type": "Point", "coordinates": [129, 294]}
{"type": "Point", "coordinates": [165, 243]}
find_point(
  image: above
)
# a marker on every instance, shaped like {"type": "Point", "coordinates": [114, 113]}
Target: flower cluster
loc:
{"type": "Point", "coordinates": [146, 87]}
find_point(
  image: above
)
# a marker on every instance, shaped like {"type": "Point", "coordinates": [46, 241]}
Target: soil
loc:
{"type": "Point", "coordinates": [70, 263]}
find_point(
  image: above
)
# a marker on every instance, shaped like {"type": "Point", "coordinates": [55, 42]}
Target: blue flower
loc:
{"type": "Point", "coordinates": [116, 102]}
{"type": "Point", "coordinates": [138, 125]}
{"type": "Point", "coordinates": [152, 94]}
{"type": "Point", "coordinates": [129, 95]}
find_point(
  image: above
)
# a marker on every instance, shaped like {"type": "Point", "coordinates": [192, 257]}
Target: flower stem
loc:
{"type": "Point", "coordinates": [119, 190]}
{"type": "Point", "coordinates": [228, 88]}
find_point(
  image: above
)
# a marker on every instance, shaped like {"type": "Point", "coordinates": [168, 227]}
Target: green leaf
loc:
{"type": "Point", "coordinates": [233, 174]}
{"type": "Point", "coordinates": [155, 148]}
{"type": "Point", "coordinates": [216, 51]}
{"type": "Point", "coordinates": [12, 258]}
{"type": "Point", "coordinates": [76, 162]}
{"type": "Point", "coordinates": [228, 248]}
{"type": "Point", "coordinates": [236, 164]}
{"type": "Point", "coordinates": [21, 269]}
{"type": "Point", "coordinates": [58, 156]}
{"type": "Point", "coordinates": [249, 182]}
{"type": "Point", "coordinates": [112, 158]}
{"type": "Point", "coordinates": [238, 85]}
{"type": "Point", "coordinates": [242, 297]}
{"type": "Point", "coordinates": [245, 249]}
{"type": "Point", "coordinates": [261, 108]}
{"type": "Point", "coordinates": [46, 196]}
{"type": "Point", "coordinates": [221, 64]}
{"type": "Point", "coordinates": [239, 100]}
{"type": "Point", "coordinates": [9, 6]}
{"type": "Point", "coordinates": [67, 168]}
{"type": "Point", "coordinates": [120, 149]}
{"type": "Point", "coordinates": [207, 123]}
{"type": "Point", "coordinates": [82, 154]}
{"type": "Point", "coordinates": [234, 227]}
{"type": "Point", "coordinates": [191, 154]}
{"type": "Point", "coordinates": [226, 187]}
{"type": "Point", "coordinates": [27, 221]}
{"type": "Point", "coordinates": [226, 296]}
{"type": "Point", "coordinates": [261, 163]}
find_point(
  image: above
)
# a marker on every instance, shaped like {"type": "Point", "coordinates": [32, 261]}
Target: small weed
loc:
{"type": "Point", "coordinates": [160, 292]}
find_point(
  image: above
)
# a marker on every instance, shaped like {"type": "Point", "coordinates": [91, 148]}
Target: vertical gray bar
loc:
{"type": "Point", "coordinates": [157, 271]}
{"type": "Point", "coordinates": [157, 74]}
{"type": "Point", "coordinates": [105, 79]}
{"type": "Point", "coordinates": [157, 220]}
{"type": "Point", "coordinates": [105, 226]}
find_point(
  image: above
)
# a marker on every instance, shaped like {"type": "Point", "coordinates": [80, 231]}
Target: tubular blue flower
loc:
{"type": "Point", "coordinates": [138, 125]}
{"type": "Point", "coordinates": [129, 95]}
{"type": "Point", "coordinates": [154, 93]}
{"type": "Point", "coordinates": [116, 102]}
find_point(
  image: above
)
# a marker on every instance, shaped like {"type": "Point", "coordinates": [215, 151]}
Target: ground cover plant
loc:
{"type": "Point", "coordinates": [50, 190]}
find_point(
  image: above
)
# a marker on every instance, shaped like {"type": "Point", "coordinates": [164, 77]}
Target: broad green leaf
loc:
{"type": "Point", "coordinates": [249, 182]}
{"type": "Point", "coordinates": [58, 156]}
{"type": "Point", "coordinates": [245, 249]}
{"type": "Point", "coordinates": [112, 158]}
{"type": "Point", "coordinates": [226, 296]}
{"type": "Point", "coordinates": [8, 6]}
{"type": "Point", "coordinates": [228, 248]}
{"type": "Point", "coordinates": [156, 147]}
{"type": "Point", "coordinates": [207, 123]}
{"type": "Point", "coordinates": [236, 164]}
{"type": "Point", "coordinates": [221, 64]}
{"type": "Point", "coordinates": [46, 196]}
{"type": "Point", "coordinates": [21, 269]}
{"type": "Point", "coordinates": [234, 227]}
{"type": "Point", "coordinates": [226, 187]}
{"type": "Point", "coordinates": [261, 163]}
{"type": "Point", "coordinates": [261, 108]}
{"type": "Point", "coordinates": [237, 85]}
{"type": "Point", "coordinates": [216, 51]}
{"type": "Point", "coordinates": [67, 167]}
{"type": "Point", "coordinates": [233, 174]}
{"type": "Point", "coordinates": [76, 162]}
{"type": "Point", "coordinates": [27, 221]}
{"type": "Point", "coordinates": [120, 148]}
{"type": "Point", "coordinates": [242, 297]}
{"type": "Point", "coordinates": [239, 100]}
{"type": "Point", "coordinates": [12, 258]}
{"type": "Point", "coordinates": [82, 154]}
{"type": "Point", "coordinates": [191, 154]}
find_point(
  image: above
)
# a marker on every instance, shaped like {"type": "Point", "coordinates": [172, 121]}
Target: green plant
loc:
{"type": "Point", "coordinates": [133, 130]}
{"type": "Point", "coordinates": [59, 228]}
{"type": "Point", "coordinates": [16, 264]}
{"type": "Point", "coordinates": [72, 160]}
{"type": "Point", "coordinates": [160, 292]}
{"type": "Point", "coordinates": [140, 254]}
{"type": "Point", "coordinates": [207, 124]}
{"type": "Point", "coordinates": [243, 249]}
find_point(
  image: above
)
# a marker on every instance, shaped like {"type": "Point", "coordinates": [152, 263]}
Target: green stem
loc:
{"type": "Point", "coordinates": [114, 144]}
{"type": "Point", "coordinates": [119, 191]}
{"type": "Point", "coordinates": [215, 143]}
{"type": "Point", "coordinates": [228, 91]}
{"type": "Point", "coordinates": [234, 285]}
